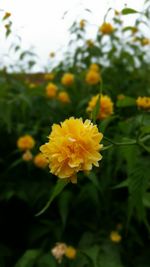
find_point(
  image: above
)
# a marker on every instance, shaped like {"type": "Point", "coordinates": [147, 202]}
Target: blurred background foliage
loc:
{"type": "Point", "coordinates": [105, 217]}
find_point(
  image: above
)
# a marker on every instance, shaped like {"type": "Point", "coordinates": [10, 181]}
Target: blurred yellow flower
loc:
{"type": "Point", "coordinates": [49, 76]}
{"type": "Point", "coordinates": [92, 77]}
{"type": "Point", "coordinates": [67, 79]}
{"type": "Point", "coordinates": [25, 142]}
{"type": "Point", "coordinates": [145, 41]}
{"type": "Point", "coordinates": [106, 106]}
{"type": "Point", "coordinates": [70, 252]}
{"type": "Point", "coordinates": [73, 146]}
{"type": "Point", "coordinates": [64, 97]}
{"type": "Point", "coordinates": [27, 156]}
{"type": "Point", "coordinates": [94, 67]}
{"type": "Point", "coordinates": [90, 43]}
{"type": "Point", "coordinates": [40, 161]}
{"type": "Point", "coordinates": [82, 23]}
{"type": "Point", "coordinates": [59, 251]}
{"type": "Point", "coordinates": [143, 102]}
{"type": "Point", "coordinates": [115, 237]}
{"type": "Point", "coordinates": [51, 90]}
{"type": "Point", "coordinates": [106, 28]}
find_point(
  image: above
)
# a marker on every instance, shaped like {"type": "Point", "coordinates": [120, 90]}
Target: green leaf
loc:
{"type": "Point", "coordinates": [92, 254]}
{"type": "Point", "coordinates": [122, 184]}
{"type": "Point", "coordinates": [127, 11]}
{"type": "Point", "coordinates": [96, 109]}
{"type": "Point", "coordinates": [64, 203]}
{"type": "Point", "coordinates": [146, 200]}
{"type": "Point", "coordinates": [126, 102]}
{"type": "Point", "coordinates": [109, 256]}
{"type": "Point", "coordinates": [29, 258]}
{"type": "Point", "coordinates": [128, 28]}
{"type": "Point", "coordinates": [138, 184]}
{"type": "Point", "coordinates": [47, 260]}
{"type": "Point", "coordinates": [60, 185]}
{"type": "Point", "coordinates": [145, 129]}
{"type": "Point", "coordinates": [104, 124]}
{"type": "Point", "coordinates": [94, 179]}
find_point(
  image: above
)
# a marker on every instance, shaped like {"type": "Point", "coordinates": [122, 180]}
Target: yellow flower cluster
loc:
{"type": "Point", "coordinates": [93, 76]}
{"type": "Point", "coordinates": [25, 142]}
{"type": "Point", "coordinates": [106, 106]}
{"type": "Point", "coordinates": [73, 146]}
{"type": "Point", "coordinates": [67, 79]}
{"type": "Point", "coordinates": [51, 90]}
{"type": "Point", "coordinates": [115, 237]}
{"type": "Point", "coordinates": [61, 249]}
{"type": "Point", "coordinates": [106, 28]}
{"type": "Point", "coordinates": [143, 102]}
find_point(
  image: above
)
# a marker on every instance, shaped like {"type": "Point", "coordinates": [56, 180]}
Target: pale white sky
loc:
{"type": "Point", "coordinates": [41, 24]}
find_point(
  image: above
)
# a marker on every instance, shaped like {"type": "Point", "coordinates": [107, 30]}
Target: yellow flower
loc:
{"type": "Point", "coordinates": [145, 41]}
{"type": "Point", "coordinates": [40, 161]}
{"type": "Point", "coordinates": [27, 156]}
{"type": "Point", "coordinates": [92, 77]}
{"type": "Point", "coordinates": [70, 252]}
{"type": "Point", "coordinates": [49, 76]}
{"type": "Point", "coordinates": [115, 237]}
{"type": "Point", "coordinates": [73, 146]}
{"type": "Point", "coordinates": [52, 54]}
{"type": "Point", "coordinates": [90, 43]}
{"type": "Point", "coordinates": [25, 142]}
{"type": "Point", "coordinates": [64, 97]}
{"type": "Point", "coordinates": [120, 97]}
{"type": "Point", "coordinates": [94, 67]}
{"type": "Point", "coordinates": [106, 106]}
{"type": "Point", "coordinates": [82, 24]}
{"type": "Point", "coordinates": [106, 28]}
{"type": "Point", "coordinates": [143, 102]}
{"type": "Point", "coordinates": [51, 90]}
{"type": "Point", "coordinates": [67, 79]}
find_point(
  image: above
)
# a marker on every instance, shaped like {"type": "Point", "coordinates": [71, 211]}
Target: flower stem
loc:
{"type": "Point", "coordinates": [133, 142]}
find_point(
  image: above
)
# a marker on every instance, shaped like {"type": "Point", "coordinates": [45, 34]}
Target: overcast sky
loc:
{"type": "Point", "coordinates": [41, 23]}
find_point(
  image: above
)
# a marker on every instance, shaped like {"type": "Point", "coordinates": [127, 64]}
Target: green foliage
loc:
{"type": "Point", "coordinates": [115, 197]}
